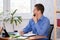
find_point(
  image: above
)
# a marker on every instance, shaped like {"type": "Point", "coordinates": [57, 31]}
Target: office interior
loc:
{"type": "Point", "coordinates": [24, 8]}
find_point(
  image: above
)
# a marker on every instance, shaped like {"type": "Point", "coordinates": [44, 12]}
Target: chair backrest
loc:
{"type": "Point", "coordinates": [50, 31]}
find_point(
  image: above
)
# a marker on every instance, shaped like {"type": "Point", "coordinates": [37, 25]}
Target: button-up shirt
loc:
{"type": "Point", "coordinates": [40, 28]}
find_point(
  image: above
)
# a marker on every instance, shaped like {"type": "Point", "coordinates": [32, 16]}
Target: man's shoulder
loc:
{"type": "Point", "coordinates": [31, 20]}
{"type": "Point", "coordinates": [46, 19]}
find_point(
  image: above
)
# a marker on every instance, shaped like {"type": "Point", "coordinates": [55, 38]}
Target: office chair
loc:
{"type": "Point", "coordinates": [50, 31]}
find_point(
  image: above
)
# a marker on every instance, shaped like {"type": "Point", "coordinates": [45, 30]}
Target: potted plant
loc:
{"type": "Point", "coordinates": [14, 19]}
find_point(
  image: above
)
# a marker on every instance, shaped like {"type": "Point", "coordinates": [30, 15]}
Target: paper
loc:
{"type": "Point", "coordinates": [21, 37]}
{"type": "Point", "coordinates": [27, 35]}
{"type": "Point", "coordinates": [17, 35]}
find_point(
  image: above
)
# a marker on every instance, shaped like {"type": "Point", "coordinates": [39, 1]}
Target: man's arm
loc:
{"type": "Point", "coordinates": [26, 29]}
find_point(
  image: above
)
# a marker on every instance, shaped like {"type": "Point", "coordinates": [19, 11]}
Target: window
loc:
{"type": "Point", "coordinates": [22, 6]}
{"type": "Point", "coordinates": [1, 5]}
{"type": "Point", "coordinates": [1, 9]}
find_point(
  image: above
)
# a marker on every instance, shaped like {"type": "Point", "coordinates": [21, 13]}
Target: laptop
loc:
{"type": "Point", "coordinates": [5, 34]}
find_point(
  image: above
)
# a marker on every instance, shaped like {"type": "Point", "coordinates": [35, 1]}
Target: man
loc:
{"type": "Point", "coordinates": [39, 24]}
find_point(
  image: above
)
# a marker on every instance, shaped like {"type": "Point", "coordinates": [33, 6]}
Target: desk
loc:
{"type": "Point", "coordinates": [4, 38]}
{"type": "Point", "coordinates": [7, 38]}
{"type": "Point", "coordinates": [11, 39]}
{"type": "Point", "coordinates": [29, 38]}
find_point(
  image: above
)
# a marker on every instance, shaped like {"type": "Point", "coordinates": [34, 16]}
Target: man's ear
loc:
{"type": "Point", "coordinates": [39, 11]}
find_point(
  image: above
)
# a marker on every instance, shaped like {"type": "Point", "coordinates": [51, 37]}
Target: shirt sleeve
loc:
{"type": "Point", "coordinates": [27, 28]}
{"type": "Point", "coordinates": [41, 29]}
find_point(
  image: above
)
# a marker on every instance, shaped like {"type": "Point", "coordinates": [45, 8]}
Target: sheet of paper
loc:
{"type": "Point", "coordinates": [27, 35]}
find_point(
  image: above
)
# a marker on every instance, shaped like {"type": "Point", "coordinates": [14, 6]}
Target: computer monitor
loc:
{"type": "Point", "coordinates": [5, 34]}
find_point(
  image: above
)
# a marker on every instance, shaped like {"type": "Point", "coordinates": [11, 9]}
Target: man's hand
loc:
{"type": "Point", "coordinates": [35, 19]}
{"type": "Point", "coordinates": [0, 29]}
{"type": "Point", "coordinates": [21, 32]}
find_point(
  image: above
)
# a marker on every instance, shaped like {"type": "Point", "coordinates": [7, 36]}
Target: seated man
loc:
{"type": "Point", "coordinates": [39, 24]}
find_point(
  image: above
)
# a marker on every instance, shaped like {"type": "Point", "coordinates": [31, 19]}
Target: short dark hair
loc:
{"type": "Point", "coordinates": [40, 7]}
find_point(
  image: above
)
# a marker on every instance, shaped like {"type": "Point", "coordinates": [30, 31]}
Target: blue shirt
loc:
{"type": "Point", "coordinates": [40, 28]}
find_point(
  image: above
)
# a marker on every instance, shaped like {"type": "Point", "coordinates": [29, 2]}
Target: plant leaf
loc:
{"type": "Point", "coordinates": [13, 12]}
{"type": "Point", "coordinates": [15, 22]}
{"type": "Point", "coordinates": [6, 20]}
{"type": "Point", "coordinates": [11, 21]}
{"type": "Point", "coordinates": [19, 18]}
{"type": "Point", "coordinates": [1, 13]}
{"type": "Point", "coordinates": [19, 21]}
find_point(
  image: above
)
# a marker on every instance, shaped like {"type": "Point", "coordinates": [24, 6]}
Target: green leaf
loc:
{"type": "Point", "coordinates": [6, 20]}
{"type": "Point", "coordinates": [13, 12]}
{"type": "Point", "coordinates": [11, 21]}
{"type": "Point", "coordinates": [1, 13]}
{"type": "Point", "coordinates": [15, 22]}
{"type": "Point", "coordinates": [19, 21]}
{"type": "Point", "coordinates": [19, 18]}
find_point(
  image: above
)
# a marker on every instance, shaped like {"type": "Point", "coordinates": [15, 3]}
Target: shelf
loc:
{"type": "Point", "coordinates": [58, 27]}
{"type": "Point", "coordinates": [58, 11]}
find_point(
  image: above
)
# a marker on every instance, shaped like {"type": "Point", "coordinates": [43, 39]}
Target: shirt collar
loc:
{"type": "Point", "coordinates": [41, 18]}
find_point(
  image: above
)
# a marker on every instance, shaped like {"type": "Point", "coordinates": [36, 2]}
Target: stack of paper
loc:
{"type": "Point", "coordinates": [28, 35]}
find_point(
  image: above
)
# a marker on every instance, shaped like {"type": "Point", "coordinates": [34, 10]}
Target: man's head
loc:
{"type": "Point", "coordinates": [38, 9]}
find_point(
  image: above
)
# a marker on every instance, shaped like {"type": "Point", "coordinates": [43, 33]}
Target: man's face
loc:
{"type": "Point", "coordinates": [36, 12]}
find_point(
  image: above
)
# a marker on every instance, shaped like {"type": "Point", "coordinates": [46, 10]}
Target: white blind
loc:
{"type": "Point", "coordinates": [1, 5]}
{"type": "Point", "coordinates": [23, 6]}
